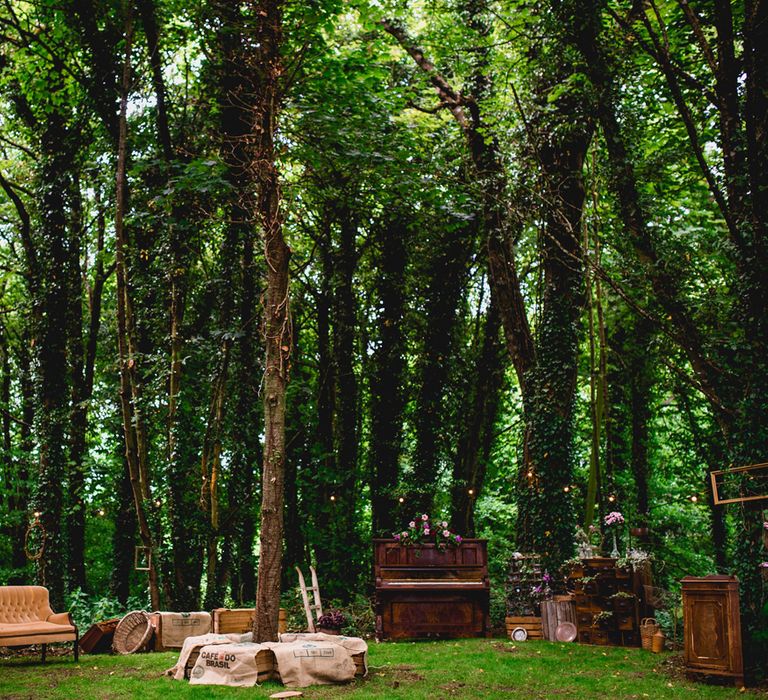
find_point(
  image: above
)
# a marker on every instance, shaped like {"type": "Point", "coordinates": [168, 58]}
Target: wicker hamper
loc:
{"type": "Point", "coordinates": [133, 633]}
{"type": "Point", "coordinates": [648, 627]}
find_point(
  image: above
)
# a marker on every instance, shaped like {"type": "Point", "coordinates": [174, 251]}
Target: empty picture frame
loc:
{"type": "Point", "coordinates": [142, 558]}
{"type": "Point", "coordinates": [740, 484]}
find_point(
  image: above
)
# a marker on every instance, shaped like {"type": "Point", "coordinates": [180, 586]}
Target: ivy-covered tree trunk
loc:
{"type": "Point", "coordinates": [124, 538]}
{"type": "Point", "coordinates": [267, 66]}
{"type": "Point", "coordinates": [79, 396]}
{"type": "Point", "coordinates": [344, 541]}
{"type": "Point", "coordinates": [52, 414]}
{"type": "Point", "coordinates": [476, 439]}
{"type": "Point", "coordinates": [388, 375]}
{"type": "Point", "coordinates": [446, 279]}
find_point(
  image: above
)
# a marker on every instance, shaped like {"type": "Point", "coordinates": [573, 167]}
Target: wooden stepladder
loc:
{"type": "Point", "coordinates": [317, 606]}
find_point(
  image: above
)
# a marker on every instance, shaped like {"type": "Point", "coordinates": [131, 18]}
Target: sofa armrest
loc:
{"type": "Point", "coordinates": [64, 618]}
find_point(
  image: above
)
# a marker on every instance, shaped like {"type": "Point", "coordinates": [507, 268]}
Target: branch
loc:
{"type": "Point", "coordinates": [26, 231]}
{"type": "Point", "coordinates": [452, 99]}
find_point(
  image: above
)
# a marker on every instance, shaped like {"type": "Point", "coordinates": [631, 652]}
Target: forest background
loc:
{"type": "Point", "coordinates": [527, 254]}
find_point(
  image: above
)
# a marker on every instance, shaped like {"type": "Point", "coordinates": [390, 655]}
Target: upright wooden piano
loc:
{"type": "Point", "coordinates": [423, 592]}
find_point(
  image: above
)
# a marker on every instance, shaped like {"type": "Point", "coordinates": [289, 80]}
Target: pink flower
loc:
{"type": "Point", "coordinates": [445, 524]}
{"type": "Point", "coordinates": [397, 537]}
{"type": "Point", "coordinates": [446, 533]}
{"type": "Point", "coordinates": [404, 534]}
{"type": "Point", "coordinates": [765, 525]}
{"type": "Point", "coordinates": [764, 565]}
{"type": "Point", "coordinates": [426, 530]}
{"type": "Point", "coordinates": [412, 524]}
{"type": "Point", "coordinates": [425, 517]}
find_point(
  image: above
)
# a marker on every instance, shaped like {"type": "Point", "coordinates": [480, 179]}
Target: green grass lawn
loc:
{"type": "Point", "coordinates": [473, 668]}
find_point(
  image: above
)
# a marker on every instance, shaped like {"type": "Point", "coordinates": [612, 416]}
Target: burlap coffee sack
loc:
{"type": "Point", "coordinates": [176, 627]}
{"type": "Point", "coordinates": [354, 645]}
{"type": "Point", "coordinates": [304, 662]}
{"type": "Point", "coordinates": [227, 664]}
{"type": "Point", "coordinates": [193, 643]}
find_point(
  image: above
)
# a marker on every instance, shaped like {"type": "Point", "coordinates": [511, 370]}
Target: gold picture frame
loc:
{"type": "Point", "coordinates": [720, 499]}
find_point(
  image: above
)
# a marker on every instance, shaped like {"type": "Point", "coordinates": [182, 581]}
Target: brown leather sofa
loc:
{"type": "Point", "coordinates": [26, 618]}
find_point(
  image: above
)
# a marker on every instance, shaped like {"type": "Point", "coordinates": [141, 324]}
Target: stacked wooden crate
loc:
{"type": "Point", "coordinates": [523, 609]}
{"type": "Point", "coordinates": [606, 599]}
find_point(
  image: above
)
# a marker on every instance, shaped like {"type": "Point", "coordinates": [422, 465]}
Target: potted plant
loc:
{"type": "Point", "coordinates": [332, 622]}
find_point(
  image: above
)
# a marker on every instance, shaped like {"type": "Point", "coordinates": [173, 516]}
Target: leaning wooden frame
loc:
{"type": "Point", "coordinates": [748, 472]}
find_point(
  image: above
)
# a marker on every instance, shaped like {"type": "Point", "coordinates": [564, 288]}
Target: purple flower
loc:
{"type": "Point", "coordinates": [765, 525]}
{"type": "Point", "coordinates": [397, 537]}
{"type": "Point", "coordinates": [458, 538]}
{"type": "Point", "coordinates": [425, 517]}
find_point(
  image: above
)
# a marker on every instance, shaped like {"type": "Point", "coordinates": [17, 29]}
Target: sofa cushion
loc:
{"type": "Point", "coordinates": [33, 629]}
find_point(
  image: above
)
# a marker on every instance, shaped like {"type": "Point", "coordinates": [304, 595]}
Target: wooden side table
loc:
{"type": "Point", "coordinates": [712, 625]}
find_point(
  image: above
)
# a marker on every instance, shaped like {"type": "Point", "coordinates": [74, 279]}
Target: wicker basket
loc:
{"type": "Point", "coordinates": [648, 627]}
{"type": "Point", "coordinates": [133, 633]}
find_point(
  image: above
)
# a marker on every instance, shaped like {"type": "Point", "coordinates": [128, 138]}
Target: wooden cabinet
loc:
{"type": "Point", "coordinates": [424, 592]}
{"type": "Point", "coordinates": [607, 602]}
{"type": "Point", "coordinates": [712, 625]}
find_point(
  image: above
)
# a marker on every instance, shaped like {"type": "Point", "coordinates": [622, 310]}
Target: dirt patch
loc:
{"type": "Point", "coordinates": [402, 674]}
{"type": "Point", "coordinates": [453, 687]}
{"type": "Point", "coordinates": [508, 648]}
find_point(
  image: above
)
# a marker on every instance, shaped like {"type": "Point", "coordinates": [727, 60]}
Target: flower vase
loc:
{"type": "Point", "coordinates": [615, 551]}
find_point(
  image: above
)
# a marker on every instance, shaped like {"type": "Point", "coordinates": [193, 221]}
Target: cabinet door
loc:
{"type": "Point", "coordinates": [706, 631]}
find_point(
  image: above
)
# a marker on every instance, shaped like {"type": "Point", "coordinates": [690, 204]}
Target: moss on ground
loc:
{"type": "Point", "coordinates": [473, 668]}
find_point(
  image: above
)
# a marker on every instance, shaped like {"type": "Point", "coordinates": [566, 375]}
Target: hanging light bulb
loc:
{"type": "Point", "coordinates": [401, 500]}
{"type": "Point", "coordinates": [567, 489]}
{"type": "Point", "coordinates": [333, 498]}
{"type": "Point", "coordinates": [471, 492]}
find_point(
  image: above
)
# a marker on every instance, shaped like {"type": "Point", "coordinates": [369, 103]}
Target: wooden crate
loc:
{"type": "Point", "coordinates": [266, 664]}
{"type": "Point", "coordinates": [553, 613]}
{"type": "Point", "coordinates": [532, 625]}
{"type": "Point", "coordinates": [98, 638]}
{"type": "Point", "coordinates": [359, 665]}
{"type": "Point", "coordinates": [232, 621]}
{"type": "Point", "coordinates": [240, 620]}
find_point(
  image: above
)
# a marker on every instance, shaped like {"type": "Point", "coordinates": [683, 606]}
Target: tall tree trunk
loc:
{"type": "Point", "coordinates": [136, 448]}
{"type": "Point", "coordinates": [476, 439]}
{"type": "Point", "coordinates": [277, 321]}
{"type": "Point", "coordinates": [446, 286]}
{"type": "Point", "coordinates": [124, 537]}
{"type": "Point", "coordinates": [52, 396]}
{"type": "Point", "coordinates": [387, 393]}
{"type": "Point", "coordinates": [79, 397]}
{"type": "Point", "coordinates": [345, 556]}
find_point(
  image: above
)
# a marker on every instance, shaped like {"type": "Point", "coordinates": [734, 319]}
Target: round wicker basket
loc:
{"type": "Point", "coordinates": [648, 627]}
{"type": "Point", "coordinates": [133, 633]}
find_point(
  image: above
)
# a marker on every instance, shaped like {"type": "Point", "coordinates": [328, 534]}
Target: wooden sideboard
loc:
{"type": "Point", "coordinates": [424, 592]}
{"type": "Point", "coordinates": [712, 625]}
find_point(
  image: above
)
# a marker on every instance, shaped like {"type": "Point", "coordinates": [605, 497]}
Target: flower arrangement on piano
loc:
{"type": "Point", "coordinates": [422, 530]}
